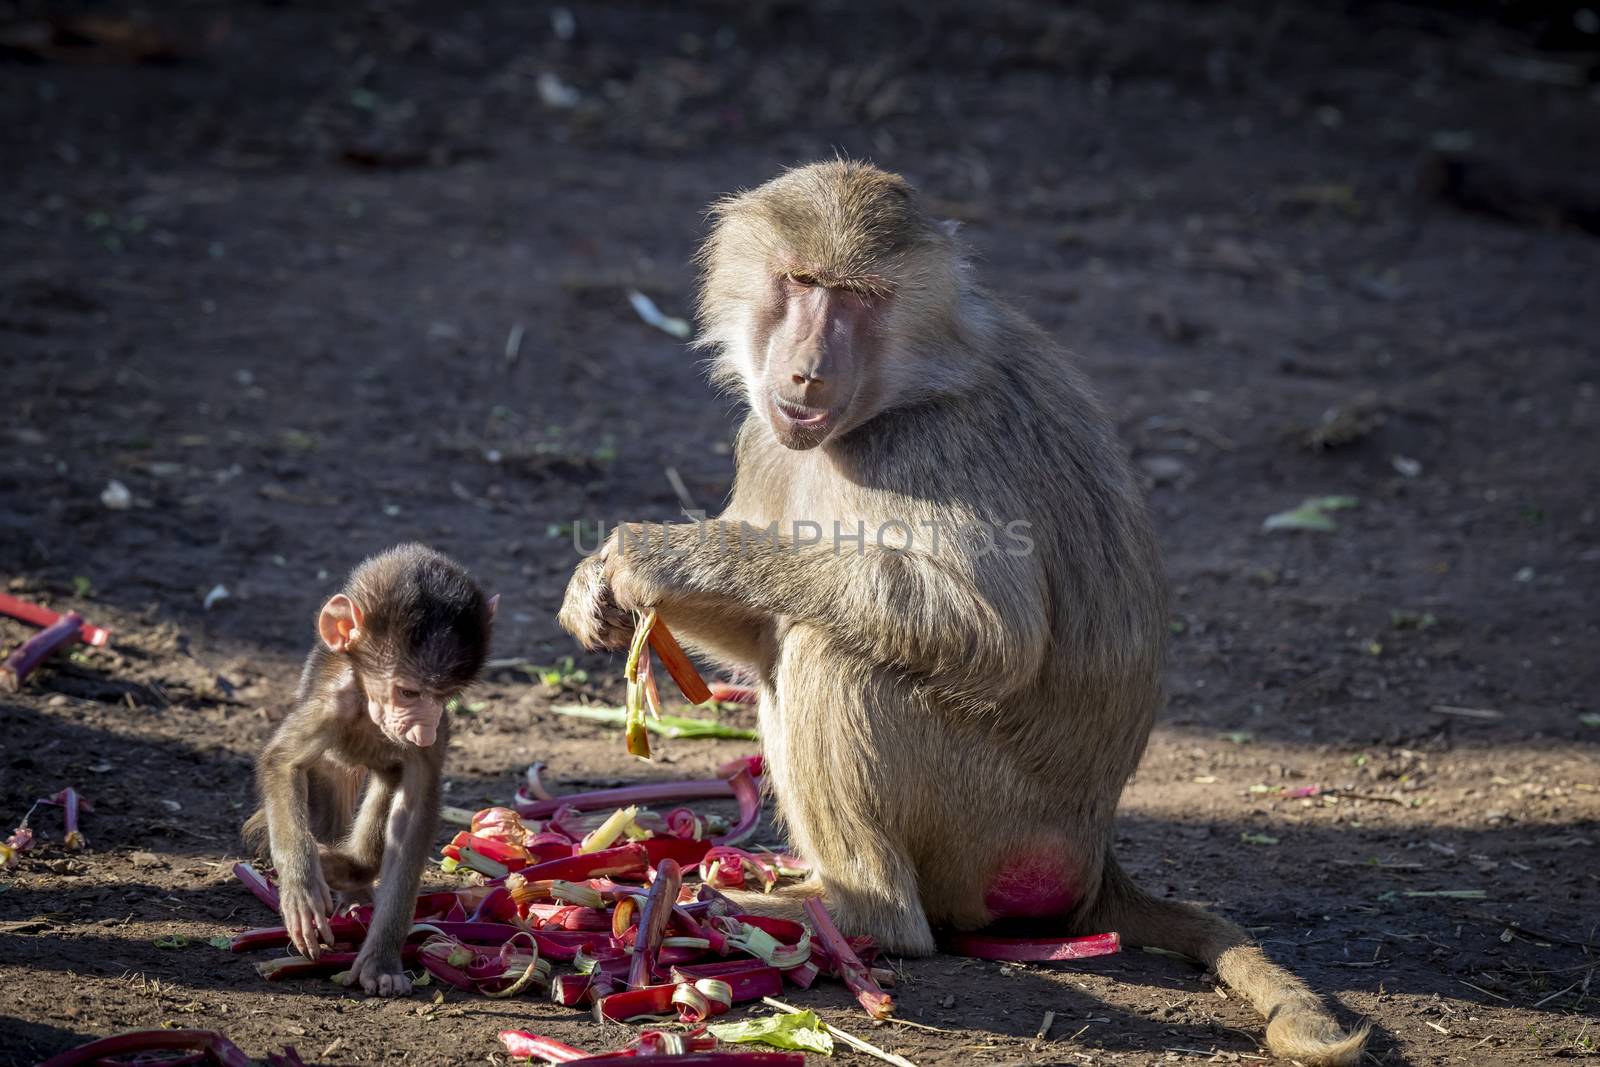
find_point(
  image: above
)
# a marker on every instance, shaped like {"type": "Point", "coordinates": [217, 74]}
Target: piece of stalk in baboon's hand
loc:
{"type": "Point", "coordinates": [637, 738]}
{"type": "Point", "coordinates": [677, 663]}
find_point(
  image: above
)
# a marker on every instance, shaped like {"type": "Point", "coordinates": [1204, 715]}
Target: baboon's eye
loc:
{"type": "Point", "coordinates": [800, 277]}
{"type": "Point", "coordinates": [409, 694]}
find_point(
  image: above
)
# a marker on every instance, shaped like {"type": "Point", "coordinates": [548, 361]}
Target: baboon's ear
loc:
{"type": "Point", "coordinates": [489, 609]}
{"type": "Point", "coordinates": [339, 624]}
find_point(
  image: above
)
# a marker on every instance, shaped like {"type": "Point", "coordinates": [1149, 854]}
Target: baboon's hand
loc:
{"type": "Point", "coordinates": [305, 905]}
{"type": "Point", "coordinates": [379, 971]}
{"type": "Point", "coordinates": [590, 612]}
{"type": "Point", "coordinates": [639, 569]}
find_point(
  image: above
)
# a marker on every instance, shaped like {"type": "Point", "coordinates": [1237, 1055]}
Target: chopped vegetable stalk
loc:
{"type": "Point", "coordinates": [700, 1059]}
{"type": "Point", "coordinates": [622, 916]}
{"type": "Point", "coordinates": [877, 1003]}
{"type": "Point", "coordinates": [502, 824]}
{"type": "Point", "coordinates": [503, 974]}
{"type": "Point", "coordinates": [687, 853]}
{"type": "Point", "coordinates": [138, 1044]}
{"type": "Point", "coordinates": [607, 832]}
{"type": "Point", "coordinates": [729, 693]}
{"type": "Point", "coordinates": [38, 648]}
{"type": "Point", "coordinates": [629, 860]}
{"type": "Point", "coordinates": [475, 861]}
{"type": "Point", "coordinates": [636, 737]}
{"type": "Point", "coordinates": [352, 930]}
{"type": "Point", "coordinates": [755, 764]}
{"type": "Point", "coordinates": [283, 968]}
{"type": "Point", "coordinates": [497, 850]}
{"type": "Point", "coordinates": [693, 1001]}
{"type": "Point", "coordinates": [726, 867]}
{"type": "Point", "coordinates": [35, 615]}
{"type": "Point", "coordinates": [982, 947]}
{"type": "Point", "coordinates": [647, 683]}
{"type": "Point", "coordinates": [648, 1002]}
{"type": "Point", "coordinates": [648, 793]}
{"type": "Point", "coordinates": [70, 802]}
{"type": "Point", "coordinates": [653, 916]}
{"type": "Point", "coordinates": [744, 787]}
{"type": "Point", "coordinates": [745, 933]}
{"type": "Point", "coordinates": [257, 883]}
{"type": "Point", "coordinates": [570, 990]}
{"type": "Point", "coordinates": [535, 786]}
{"type": "Point", "coordinates": [525, 893]}
{"type": "Point", "coordinates": [521, 1045]}
{"type": "Point", "coordinates": [665, 1043]}
{"type": "Point", "coordinates": [688, 680]}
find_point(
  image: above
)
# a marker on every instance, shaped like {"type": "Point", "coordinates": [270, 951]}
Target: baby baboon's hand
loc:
{"type": "Point", "coordinates": [380, 972]}
{"type": "Point", "coordinates": [305, 906]}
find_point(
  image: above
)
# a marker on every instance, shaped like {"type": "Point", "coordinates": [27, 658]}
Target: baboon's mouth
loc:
{"type": "Point", "coordinates": [803, 417]}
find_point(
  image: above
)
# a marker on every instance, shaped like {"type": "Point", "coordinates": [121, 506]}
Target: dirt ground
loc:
{"type": "Point", "coordinates": [312, 279]}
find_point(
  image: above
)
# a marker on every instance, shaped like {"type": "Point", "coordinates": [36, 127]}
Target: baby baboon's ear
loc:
{"type": "Point", "coordinates": [339, 624]}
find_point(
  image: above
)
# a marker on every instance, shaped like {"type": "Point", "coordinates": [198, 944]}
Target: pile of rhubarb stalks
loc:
{"type": "Point", "coordinates": [608, 906]}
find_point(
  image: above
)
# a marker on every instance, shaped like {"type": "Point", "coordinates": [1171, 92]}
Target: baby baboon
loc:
{"type": "Point", "coordinates": [409, 630]}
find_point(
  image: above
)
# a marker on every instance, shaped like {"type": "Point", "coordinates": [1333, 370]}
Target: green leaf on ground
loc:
{"type": "Point", "coordinates": [802, 1031]}
{"type": "Point", "coordinates": [1312, 514]}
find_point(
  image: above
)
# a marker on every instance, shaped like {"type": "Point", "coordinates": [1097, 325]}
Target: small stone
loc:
{"type": "Point", "coordinates": [60, 700]}
{"type": "Point", "coordinates": [1164, 469]}
{"type": "Point", "coordinates": [116, 496]}
{"type": "Point", "coordinates": [146, 860]}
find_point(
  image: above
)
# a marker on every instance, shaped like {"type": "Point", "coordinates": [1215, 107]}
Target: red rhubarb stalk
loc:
{"type": "Point", "coordinates": [120, 1046]}
{"type": "Point", "coordinates": [511, 855]}
{"type": "Point", "coordinates": [743, 785]}
{"type": "Point", "coordinates": [729, 693]}
{"type": "Point", "coordinates": [257, 883]}
{"type": "Point", "coordinates": [982, 947]}
{"type": "Point", "coordinates": [877, 1003]}
{"type": "Point", "coordinates": [283, 968]}
{"type": "Point", "coordinates": [571, 990]}
{"type": "Point", "coordinates": [521, 1045]}
{"type": "Point", "coordinates": [653, 1001]}
{"type": "Point", "coordinates": [666, 1043]}
{"type": "Point", "coordinates": [688, 680]}
{"type": "Point", "coordinates": [476, 861]}
{"type": "Point", "coordinates": [629, 859]}
{"type": "Point", "coordinates": [701, 1059]}
{"type": "Point", "coordinates": [566, 944]}
{"type": "Point", "coordinates": [684, 852]}
{"type": "Point", "coordinates": [536, 787]}
{"type": "Point", "coordinates": [658, 905]}
{"type": "Point", "coordinates": [747, 979]}
{"type": "Point", "coordinates": [649, 793]}
{"type": "Point", "coordinates": [38, 648]}
{"type": "Point", "coordinates": [70, 802]}
{"type": "Point", "coordinates": [354, 931]}
{"type": "Point", "coordinates": [756, 765]}
{"type": "Point", "coordinates": [42, 616]}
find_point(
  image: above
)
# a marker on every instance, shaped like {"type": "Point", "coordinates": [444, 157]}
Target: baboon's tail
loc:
{"type": "Point", "coordinates": [254, 833]}
{"type": "Point", "coordinates": [1299, 1026]}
